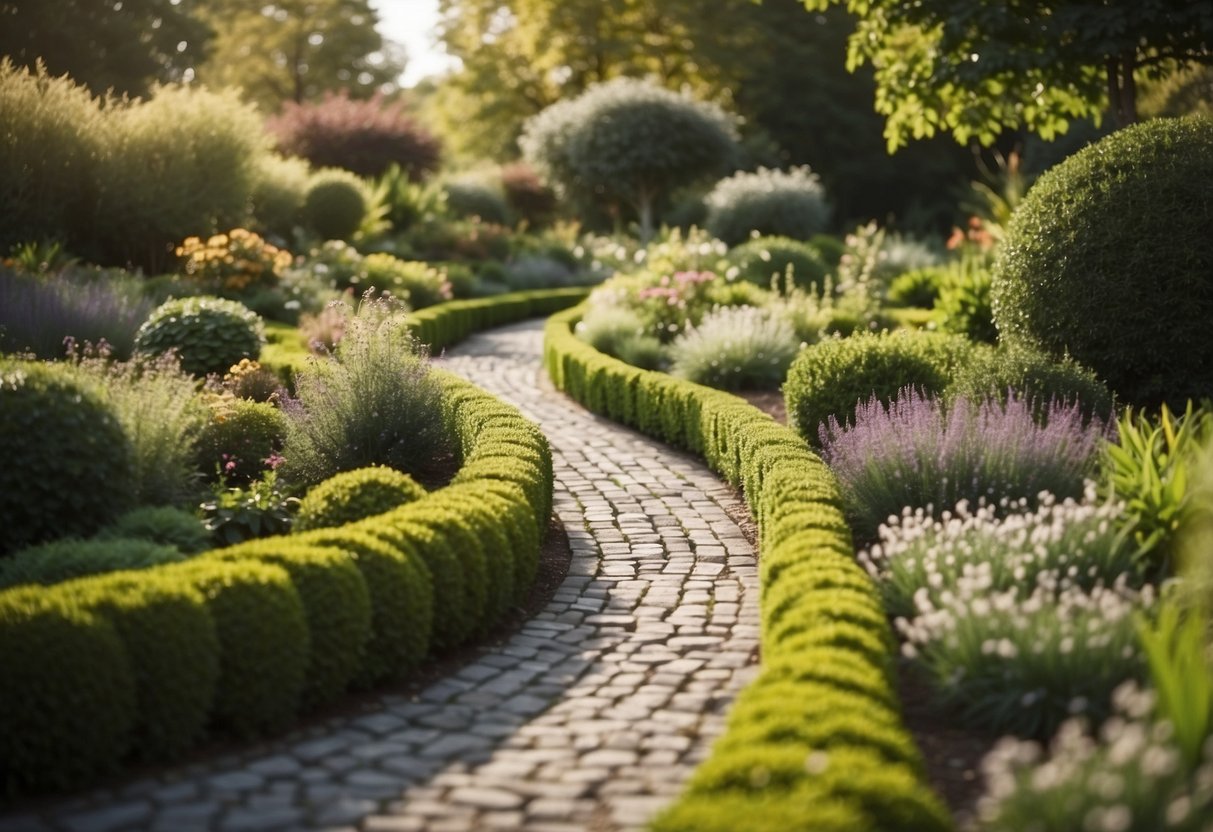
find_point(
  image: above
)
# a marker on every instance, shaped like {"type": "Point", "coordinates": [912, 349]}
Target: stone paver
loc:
{"type": "Point", "coordinates": [591, 717]}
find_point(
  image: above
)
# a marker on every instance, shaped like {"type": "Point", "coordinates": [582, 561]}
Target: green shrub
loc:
{"type": "Point", "coordinates": [607, 325]}
{"type": "Point", "coordinates": [240, 438]}
{"type": "Point", "coordinates": [355, 495]}
{"type": "Point", "coordinates": [180, 163]}
{"type": "Point", "coordinates": [472, 196]}
{"type": "Point", "coordinates": [1108, 258]}
{"type": "Point", "coordinates": [279, 192]}
{"type": "Point", "coordinates": [164, 525]}
{"type": "Point", "coordinates": [402, 598]}
{"type": "Point", "coordinates": [67, 694]}
{"type": "Point", "coordinates": [830, 248]}
{"type": "Point", "coordinates": [766, 258]}
{"type": "Point", "coordinates": [263, 642]}
{"type": "Point", "coordinates": [210, 334]}
{"type": "Point", "coordinates": [336, 605]}
{"type": "Point", "coordinates": [737, 347]}
{"type": "Point", "coordinates": [643, 351]}
{"type": "Point", "coordinates": [372, 402]}
{"type": "Point", "coordinates": [335, 205]}
{"type": "Point", "coordinates": [964, 305]}
{"type": "Point", "coordinates": [787, 203]}
{"type": "Point", "coordinates": [919, 287]}
{"type": "Point", "coordinates": [61, 560]}
{"type": "Point", "coordinates": [830, 378]}
{"type": "Point", "coordinates": [234, 514]}
{"type": "Point", "coordinates": [414, 282]}
{"type": "Point", "coordinates": [67, 464]}
{"type": "Point", "coordinates": [173, 650]}
{"type": "Point", "coordinates": [1033, 375]}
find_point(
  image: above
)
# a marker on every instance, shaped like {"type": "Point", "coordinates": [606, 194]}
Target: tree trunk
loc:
{"type": "Point", "coordinates": [645, 208]}
{"type": "Point", "coordinates": [1122, 88]}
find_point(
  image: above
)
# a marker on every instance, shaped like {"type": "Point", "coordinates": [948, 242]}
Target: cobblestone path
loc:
{"type": "Point", "coordinates": [590, 718]}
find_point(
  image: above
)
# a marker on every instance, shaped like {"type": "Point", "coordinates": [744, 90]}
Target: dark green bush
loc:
{"type": "Point", "coordinates": [830, 248]}
{"type": "Point", "coordinates": [264, 646]}
{"type": "Point", "coordinates": [401, 598]}
{"type": "Point", "coordinates": [239, 438]}
{"type": "Point", "coordinates": [165, 525]}
{"type": "Point", "coordinates": [336, 605]}
{"type": "Point", "coordinates": [1109, 258]}
{"type": "Point", "coordinates": [964, 305]}
{"type": "Point", "coordinates": [170, 640]}
{"type": "Point", "coordinates": [770, 202]}
{"type": "Point", "coordinates": [470, 196]}
{"type": "Point", "coordinates": [62, 560]}
{"type": "Point", "coordinates": [830, 378]}
{"type": "Point", "coordinates": [764, 258]}
{"type": "Point", "coordinates": [67, 693]}
{"type": "Point", "coordinates": [210, 334]}
{"type": "Point", "coordinates": [920, 287]}
{"type": "Point", "coordinates": [67, 464]}
{"type": "Point", "coordinates": [355, 495]}
{"type": "Point", "coordinates": [1032, 374]}
{"type": "Point", "coordinates": [279, 192]}
{"type": "Point", "coordinates": [335, 205]}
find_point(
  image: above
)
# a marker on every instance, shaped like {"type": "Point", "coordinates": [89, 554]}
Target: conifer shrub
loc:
{"type": "Point", "coordinates": [1109, 258]}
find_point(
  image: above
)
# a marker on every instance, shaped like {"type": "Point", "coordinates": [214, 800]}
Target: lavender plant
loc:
{"type": "Point", "coordinates": [736, 347]}
{"type": "Point", "coordinates": [1023, 660]}
{"type": "Point", "coordinates": [1003, 545]}
{"type": "Point", "coordinates": [916, 453]}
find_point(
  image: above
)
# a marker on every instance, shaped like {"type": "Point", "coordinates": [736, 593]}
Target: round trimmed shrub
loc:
{"type": "Point", "coordinates": [170, 640]}
{"type": "Point", "coordinates": [763, 258]}
{"type": "Point", "coordinates": [210, 334]}
{"type": "Point", "coordinates": [355, 495]}
{"type": "Point", "coordinates": [240, 438]}
{"type": "Point", "coordinates": [264, 645]}
{"type": "Point", "coordinates": [67, 694]}
{"type": "Point", "coordinates": [67, 463]}
{"type": "Point", "coordinates": [401, 599]}
{"type": "Point", "coordinates": [336, 605]}
{"type": "Point", "coordinates": [335, 205]}
{"type": "Point", "coordinates": [165, 525]}
{"type": "Point", "coordinates": [62, 560]}
{"type": "Point", "coordinates": [1110, 258]}
{"type": "Point", "coordinates": [787, 203]}
{"type": "Point", "coordinates": [470, 196]}
{"type": "Point", "coordinates": [279, 193]}
{"type": "Point", "coordinates": [1034, 375]}
{"type": "Point", "coordinates": [831, 377]}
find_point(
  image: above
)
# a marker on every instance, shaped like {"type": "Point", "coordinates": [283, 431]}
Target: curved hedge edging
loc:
{"type": "Point", "coordinates": [447, 323]}
{"type": "Point", "coordinates": [103, 669]}
{"type": "Point", "coordinates": [817, 740]}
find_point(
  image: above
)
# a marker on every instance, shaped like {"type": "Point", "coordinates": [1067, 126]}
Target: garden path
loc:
{"type": "Point", "coordinates": [591, 717]}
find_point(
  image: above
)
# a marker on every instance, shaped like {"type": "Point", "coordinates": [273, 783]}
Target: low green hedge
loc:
{"type": "Point", "coordinates": [817, 740]}
{"type": "Point", "coordinates": [103, 669]}
{"type": "Point", "coordinates": [447, 323]}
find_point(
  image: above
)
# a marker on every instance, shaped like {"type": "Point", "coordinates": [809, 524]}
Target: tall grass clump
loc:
{"type": "Point", "coordinates": [38, 312]}
{"type": "Point", "coordinates": [915, 452]}
{"type": "Point", "coordinates": [371, 401]}
{"type": "Point", "coordinates": [736, 347]}
{"type": "Point", "coordinates": [1004, 545]}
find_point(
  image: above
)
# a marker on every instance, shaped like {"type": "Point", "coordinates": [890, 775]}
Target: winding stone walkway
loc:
{"type": "Point", "coordinates": [590, 718]}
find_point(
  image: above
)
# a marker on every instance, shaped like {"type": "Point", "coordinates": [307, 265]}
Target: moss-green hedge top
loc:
{"type": "Point", "coordinates": [816, 742]}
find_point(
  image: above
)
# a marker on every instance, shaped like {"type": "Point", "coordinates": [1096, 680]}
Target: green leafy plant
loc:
{"type": "Point", "coordinates": [767, 202]}
{"type": "Point", "coordinates": [235, 514]}
{"type": "Point", "coordinates": [279, 191]}
{"type": "Point", "coordinates": [416, 283]}
{"type": "Point", "coordinates": [242, 438]}
{"type": "Point", "coordinates": [1176, 647]}
{"type": "Point", "coordinates": [336, 203]}
{"type": "Point", "coordinates": [209, 334]}
{"type": "Point", "coordinates": [964, 305]}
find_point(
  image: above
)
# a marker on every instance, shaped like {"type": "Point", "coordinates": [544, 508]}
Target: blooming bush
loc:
{"type": "Point", "coordinates": [736, 347]}
{"type": "Point", "coordinates": [233, 262]}
{"type": "Point", "coordinates": [787, 203]}
{"type": "Point", "coordinates": [914, 452]}
{"type": "Point", "coordinates": [1003, 545]}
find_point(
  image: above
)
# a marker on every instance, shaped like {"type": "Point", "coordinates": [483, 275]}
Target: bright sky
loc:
{"type": "Point", "coordinates": [412, 23]}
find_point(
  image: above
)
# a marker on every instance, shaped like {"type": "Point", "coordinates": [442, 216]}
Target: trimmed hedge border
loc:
{"type": "Point", "coordinates": [448, 323]}
{"type": "Point", "coordinates": [816, 741]}
{"type": "Point", "coordinates": [141, 665]}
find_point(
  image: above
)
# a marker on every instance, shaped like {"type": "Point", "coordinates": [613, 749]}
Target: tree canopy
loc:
{"type": "Point", "coordinates": [976, 67]}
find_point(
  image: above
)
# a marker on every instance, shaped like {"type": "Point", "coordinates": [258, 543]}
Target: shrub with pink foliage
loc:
{"type": "Point", "coordinates": [363, 136]}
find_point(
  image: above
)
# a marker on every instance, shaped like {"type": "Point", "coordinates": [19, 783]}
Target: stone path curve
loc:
{"type": "Point", "coordinates": [590, 718]}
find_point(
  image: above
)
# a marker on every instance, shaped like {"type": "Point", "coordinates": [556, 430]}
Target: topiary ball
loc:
{"type": "Point", "coordinates": [239, 439]}
{"type": "Point", "coordinates": [763, 258]}
{"type": "Point", "coordinates": [773, 202]}
{"type": "Point", "coordinates": [830, 378]}
{"type": "Point", "coordinates": [355, 495]}
{"type": "Point", "coordinates": [1110, 258]}
{"type": "Point", "coordinates": [67, 463]}
{"type": "Point", "coordinates": [210, 334]}
{"type": "Point", "coordinates": [335, 205]}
